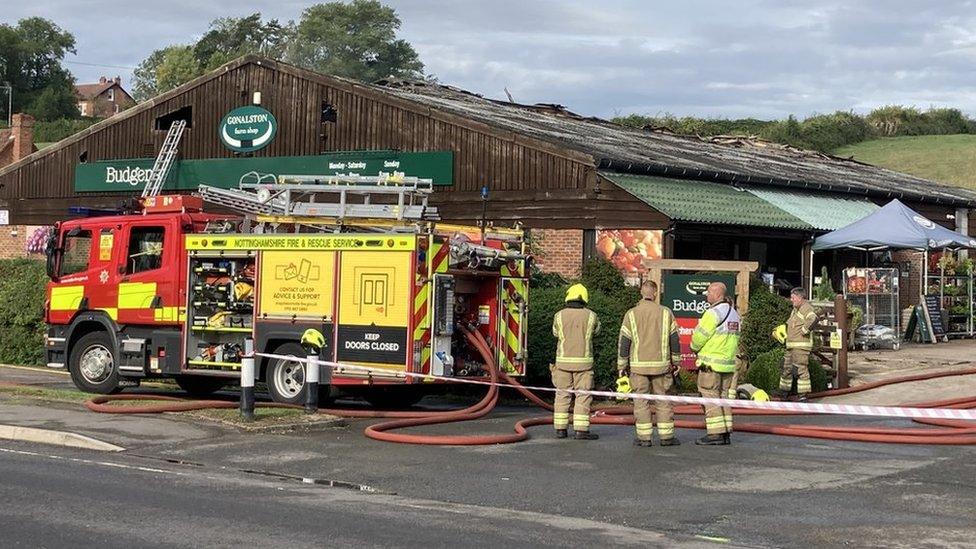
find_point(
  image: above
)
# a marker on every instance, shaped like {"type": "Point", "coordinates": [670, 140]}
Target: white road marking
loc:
{"type": "Point", "coordinates": [91, 462]}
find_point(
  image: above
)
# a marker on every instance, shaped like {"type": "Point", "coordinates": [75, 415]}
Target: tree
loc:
{"type": "Point", "coordinates": [57, 101]}
{"type": "Point", "coordinates": [164, 70]}
{"type": "Point", "coordinates": [229, 38]}
{"type": "Point", "coordinates": [178, 66]}
{"type": "Point", "coordinates": [356, 40]}
{"type": "Point", "coordinates": [30, 60]}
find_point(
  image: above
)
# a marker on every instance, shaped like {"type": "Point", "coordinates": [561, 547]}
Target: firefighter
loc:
{"type": "Point", "coordinates": [574, 327]}
{"type": "Point", "coordinates": [649, 350]}
{"type": "Point", "coordinates": [799, 343]}
{"type": "Point", "coordinates": [716, 340]}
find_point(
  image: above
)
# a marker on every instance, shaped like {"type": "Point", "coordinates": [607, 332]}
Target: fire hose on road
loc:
{"type": "Point", "coordinates": [949, 431]}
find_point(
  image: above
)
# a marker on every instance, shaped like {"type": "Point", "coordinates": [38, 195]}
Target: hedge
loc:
{"type": "Point", "coordinates": [766, 311]}
{"type": "Point", "coordinates": [22, 288]}
{"type": "Point", "coordinates": [610, 298]}
{"type": "Point", "coordinates": [764, 371]}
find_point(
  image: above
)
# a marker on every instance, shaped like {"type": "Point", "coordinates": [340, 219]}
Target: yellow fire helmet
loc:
{"type": "Point", "coordinates": [242, 291]}
{"type": "Point", "coordinates": [313, 338]}
{"type": "Point", "coordinates": [779, 333]}
{"type": "Point", "coordinates": [760, 395]}
{"type": "Point", "coordinates": [577, 291]}
{"type": "Point", "coordinates": [623, 386]}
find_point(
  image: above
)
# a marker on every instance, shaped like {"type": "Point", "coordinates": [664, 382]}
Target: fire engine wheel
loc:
{"type": "Point", "coordinates": [286, 378]}
{"type": "Point", "coordinates": [92, 364]}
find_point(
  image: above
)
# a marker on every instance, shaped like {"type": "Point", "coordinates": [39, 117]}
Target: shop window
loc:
{"type": "Point", "coordinates": [145, 249]}
{"type": "Point", "coordinates": [164, 122]}
{"type": "Point", "coordinates": [328, 113]}
{"type": "Point", "coordinates": [77, 252]}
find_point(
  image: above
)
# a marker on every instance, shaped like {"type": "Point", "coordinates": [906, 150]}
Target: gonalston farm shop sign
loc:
{"type": "Point", "coordinates": [247, 129]}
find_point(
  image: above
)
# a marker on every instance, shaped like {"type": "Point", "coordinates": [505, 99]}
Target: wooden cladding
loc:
{"type": "Point", "coordinates": [365, 119]}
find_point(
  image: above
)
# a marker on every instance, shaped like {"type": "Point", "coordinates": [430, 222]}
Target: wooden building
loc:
{"type": "Point", "coordinates": [564, 175]}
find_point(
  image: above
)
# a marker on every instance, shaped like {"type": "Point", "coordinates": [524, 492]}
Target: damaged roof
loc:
{"type": "Point", "coordinates": [721, 159]}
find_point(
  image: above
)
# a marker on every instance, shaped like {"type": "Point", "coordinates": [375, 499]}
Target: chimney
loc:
{"type": "Point", "coordinates": [102, 80]}
{"type": "Point", "coordinates": [118, 80]}
{"type": "Point", "coordinates": [23, 135]}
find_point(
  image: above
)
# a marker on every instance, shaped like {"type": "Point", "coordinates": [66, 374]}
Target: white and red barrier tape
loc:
{"type": "Point", "coordinates": [806, 407]}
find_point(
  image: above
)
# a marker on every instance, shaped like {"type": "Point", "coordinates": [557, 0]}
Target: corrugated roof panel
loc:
{"type": "Point", "coordinates": [705, 202]}
{"type": "Point", "coordinates": [822, 212]}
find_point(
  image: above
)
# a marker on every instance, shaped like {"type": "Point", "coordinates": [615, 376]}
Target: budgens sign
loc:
{"type": "Point", "coordinates": [247, 129]}
{"type": "Point", "coordinates": [684, 294]}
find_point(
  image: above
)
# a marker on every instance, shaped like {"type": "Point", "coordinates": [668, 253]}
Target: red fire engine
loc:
{"type": "Point", "coordinates": [172, 292]}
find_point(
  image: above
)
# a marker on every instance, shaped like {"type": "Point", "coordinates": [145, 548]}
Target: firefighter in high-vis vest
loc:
{"type": "Point", "coordinates": [574, 328]}
{"type": "Point", "coordinates": [649, 350]}
{"type": "Point", "coordinates": [716, 340]}
{"type": "Point", "coordinates": [799, 343]}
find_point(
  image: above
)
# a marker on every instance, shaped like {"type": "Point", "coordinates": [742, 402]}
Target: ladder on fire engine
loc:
{"type": "Point", "coordinates": [164, 161]}
{"type": "Point", "coordinates": [387, 196]}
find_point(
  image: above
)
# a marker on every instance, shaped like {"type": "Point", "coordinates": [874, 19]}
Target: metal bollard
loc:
{"type": "Point", "coordinates": [312, 384]}
{"type": "Point", "coordinates": [247, 381]}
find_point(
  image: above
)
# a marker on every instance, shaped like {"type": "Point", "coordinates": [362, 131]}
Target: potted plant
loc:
{"type": "Point", "coordinates": [964, 267]}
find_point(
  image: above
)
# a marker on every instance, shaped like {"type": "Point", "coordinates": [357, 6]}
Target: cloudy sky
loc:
{"type": "Point", "coordinates": [760, 58]}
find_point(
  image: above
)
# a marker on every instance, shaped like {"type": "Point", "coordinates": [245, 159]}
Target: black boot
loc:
{"type": "Point", "coordinates": [673, 441]}
{"type": "Point", "coordinates": [561, 433]}
{"type": "Point", "coordinates": [712, 440]}
{"type": "Point", "coordinates": [642, 443]}
{"type": "Point", "coordinates": [585, 435]}
{"type": "Point", "coordinates": [727, 437]}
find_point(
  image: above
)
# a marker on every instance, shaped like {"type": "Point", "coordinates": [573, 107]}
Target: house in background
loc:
{"type": "Point", "coordinates": [103, 98]}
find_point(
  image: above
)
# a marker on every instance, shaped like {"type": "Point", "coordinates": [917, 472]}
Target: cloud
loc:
{"type": "Point", "coordinates": [760, 58]}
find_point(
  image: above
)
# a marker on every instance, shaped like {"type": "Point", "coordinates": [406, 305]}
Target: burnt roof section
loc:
{"type": "Point", "coordinates": [725, 159]}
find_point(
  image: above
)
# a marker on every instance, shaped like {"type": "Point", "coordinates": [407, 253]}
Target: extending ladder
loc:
{"type": "Point", "coordinates": [386, 196]}
{"type": "Point", "coordinates": [164, 161]}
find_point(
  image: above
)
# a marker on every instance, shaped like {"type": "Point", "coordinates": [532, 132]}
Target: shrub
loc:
{"type": "Point", "coordinates": [824, 291]}
{"type": "Point", "coordinates": [765, 370]}
{"type": "Point", "coordinates": [599, 274]}
{"type": "Point", "coordinates": [56, 130]}
{"type": "Point", "coordinates": [543, 304]}
{"type": "Point", "coordinates": [822, 132]}
{"type": "Point", "coordinates": [687, 381]}
{"type": "Point", "coordinates": [22, 288]}
{"type": "Point", "coordinates": [610, 298]}
{"type": "Point", "coordinates": [540, 280]}
{"type": "Point", "coordinates": [818, 375]}
{"type": "Point", "coordinates": [766, 311]}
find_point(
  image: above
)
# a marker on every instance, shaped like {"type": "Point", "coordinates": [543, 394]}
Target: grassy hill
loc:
{"type": "Point", "coordinates": [949, 159]}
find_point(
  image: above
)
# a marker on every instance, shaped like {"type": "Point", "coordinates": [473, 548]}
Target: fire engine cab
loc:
{"type": "Point", "coordinates": [170, 291]}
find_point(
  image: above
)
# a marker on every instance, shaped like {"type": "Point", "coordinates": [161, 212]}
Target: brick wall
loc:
{"type": "Point", "coordinates": [910, 287]}
{"type": "Point", "coordinates": [558, 250]}
{"type": "Point", "coordinates": [13, 240]}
